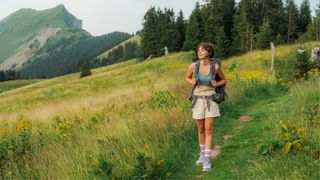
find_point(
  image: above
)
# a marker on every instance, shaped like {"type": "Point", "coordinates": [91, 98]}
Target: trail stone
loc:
{"type": "Point", "coordinates": [238, 127]}
{"type": "Point", "coordinates": [245, 118]}
{"type": "Point", "coordinates": [226, 137]}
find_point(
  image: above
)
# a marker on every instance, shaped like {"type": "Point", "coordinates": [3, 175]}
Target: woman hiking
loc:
{"type": "Point", "coordinates": [205, 110]}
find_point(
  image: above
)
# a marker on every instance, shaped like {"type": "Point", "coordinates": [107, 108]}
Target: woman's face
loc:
{"type": "Point", "coordinates": [202, 53]}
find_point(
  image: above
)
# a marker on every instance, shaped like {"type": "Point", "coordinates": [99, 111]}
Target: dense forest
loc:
{"type": "Point", "coordinates": [119, 54]}
{"type": "Point", "coordinates": [65, 55]}
{"type": "Point", "coordinates": [9, 75]}
{"type": "Point", "coordinates": [233, 28]}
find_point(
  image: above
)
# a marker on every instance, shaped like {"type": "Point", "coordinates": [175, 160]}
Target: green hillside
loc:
{"type": "Point", "coordinates": [49, 43]}
{"type": "Point", "coordinates": [124, 51]}
{"type": "Point", "coordinates": [24, 24]}
{"type": "Point", "coordinates": [14, 84]}
{"type": "Point", "coordinates": [132, 39]}
{"type": "Point", "coordinates": [132, 120]}
{"type": "Point", "coordinates": [64, 53]}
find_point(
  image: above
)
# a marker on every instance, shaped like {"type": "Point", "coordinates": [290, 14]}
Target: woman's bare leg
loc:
{"type": "Point", "coordinates": [208, 124]}
{"type": "Point", "coordinates": [201, 131]}
{"type": "Point", "coordinates": [201, 138]}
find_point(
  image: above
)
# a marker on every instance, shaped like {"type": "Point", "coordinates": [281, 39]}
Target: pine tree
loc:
{"type": "Point", "coordinates": [245, 26]}
{"type": "Point", "coordinates": [130, 49]}
{"type": "Point", "coordinates": [2, 76]}
{"type": "Point", "coordinates": [181, 26]}
{"type": "Point", "coordinates": [169, 33]}
{"type": "Point", "coordinates": [273, 10]}
{"type": "Point", "coordinates": [209, 24]}
{"type": "Point", "coordinates": [304, 16]}
{"type": "Point", "coordinates": [279, 39]}
{"type": "Point", "coordinates": [292, 18]}
{"type": "Point", "coordinates": [222, 43]}
{"type": "Point", "coordinates": [241, 33]}
{"type": "Point", "coordinates": [85, 69]}
{"type": "Point", "coordinates": [264, 36]}
{"type": "Point", "coordinates": [229, 12]}
{"type": "Point", "coordinates": [159, 30]}
{"type": "Point", "coordinates": [313, 32]}
{"type": "Point", "coordinates": [218, 24]}
{"type": "Point", "coordinates": [150, 33]}
{"type": "Point", "coordinates": [302, 65]}
{"type": "Point", "coordinates": [195, 29]}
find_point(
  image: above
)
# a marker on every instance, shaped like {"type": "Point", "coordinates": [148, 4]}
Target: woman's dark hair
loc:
{"type": "Point", "coordinates": [208, 47]}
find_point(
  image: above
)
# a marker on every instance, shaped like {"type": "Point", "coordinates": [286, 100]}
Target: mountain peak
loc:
{"type": "Point", "coordinates": [70, 20]}
{"type": "Point", "coordinates": [57, 16]}
{"type": "Point", "coordinates": [60, 6]}
{"type": "Point", "coordinates": [25, 24]}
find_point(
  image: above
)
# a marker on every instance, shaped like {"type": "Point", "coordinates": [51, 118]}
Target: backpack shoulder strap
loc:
{"type": "Point", "coordinates": [196, 68]}
{"type": "Point", "coordinates": [213, 62]}
{"type": "Point", "coordinates": [216, 60]}
{"type": "Point", "coordinates": [212, 69]}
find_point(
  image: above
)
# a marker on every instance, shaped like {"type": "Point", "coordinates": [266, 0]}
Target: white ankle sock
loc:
{"type": "Point", "coordinates": [201, 148]}
{"type": "Point", "coordinates": [207, 153]}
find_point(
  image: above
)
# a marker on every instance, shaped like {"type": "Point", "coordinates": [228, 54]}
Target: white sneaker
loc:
{"type": "Point", "coordinates": [206, 165]}
{"type": "Point", "coordinates": [200, 160]}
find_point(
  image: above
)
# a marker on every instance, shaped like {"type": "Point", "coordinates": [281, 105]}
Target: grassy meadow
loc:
{"type": "Point", "coordinates": [132, 120]}
{"type": "Point", "coordinates": [14, 84]}
{"type": "Point", "coordinates": [136, 39]}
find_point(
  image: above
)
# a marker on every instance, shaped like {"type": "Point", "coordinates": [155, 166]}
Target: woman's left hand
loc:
{"type": "Point", "coordinates": [214, 83]}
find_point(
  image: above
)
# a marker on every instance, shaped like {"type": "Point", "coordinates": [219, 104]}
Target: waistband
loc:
{"type": "Point", "coordinates": [205, 93]}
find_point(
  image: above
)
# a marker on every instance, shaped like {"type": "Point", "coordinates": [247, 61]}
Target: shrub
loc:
{"type": "Point", "coordinates": [148, 168]}
{"type": "Point", "coordinates": [103, 168]}
{"type": "Point", "coordinates": [85, 72]}
{"type": "Point", "coordinates": [63, 128]}
{"type": "Point", "coordinates": [85, 69]}
{"type": "Point", "coordinates": [15, 143]}
{"type": "Point", "coordinates": [95, 119]}
{"type": "Point", "coordinates": [24, 129]}
{"type": "Point", "coordinates": [162, 99]}
{"type": "Point", "coordinates": [293, 67]}
{"type": "Point", "coordinates": [302, 64]}
{"type": "Point", "coordinates": [290, 139]}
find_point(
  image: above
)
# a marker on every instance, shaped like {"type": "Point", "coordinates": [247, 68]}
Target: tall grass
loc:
{"type": "Point", "coordinates": [130, 120]}
{"type": "Point", "coordinates": [14, 84]}
{"type": "Point", "coordinates": [71, 147]}
{"type": "Point", "coordinates": [301, 109]}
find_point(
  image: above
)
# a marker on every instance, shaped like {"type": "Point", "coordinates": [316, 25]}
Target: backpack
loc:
{"type": "Point", "coordinates": [220, 90]}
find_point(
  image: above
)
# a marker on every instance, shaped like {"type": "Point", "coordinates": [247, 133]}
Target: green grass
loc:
{"type": "Point", "coordinates": [240, 157]}
{"type": "Point", "coordinates": [133, 119]}
{"type": "Point", "coordinates": [16, 28]}
{"type": "Point", "coordinates": [14, 84]}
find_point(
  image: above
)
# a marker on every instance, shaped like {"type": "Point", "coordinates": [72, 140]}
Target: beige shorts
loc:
{"type": "Point", "coordinates": [200, 110]}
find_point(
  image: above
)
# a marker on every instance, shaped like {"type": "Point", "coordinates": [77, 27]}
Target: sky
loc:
{"type": "Point", "coordinates": [105, 16]}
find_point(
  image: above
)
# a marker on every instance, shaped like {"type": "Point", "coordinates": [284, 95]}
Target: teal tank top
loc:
{"type": "Point", "coordinates": [205, 80]}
